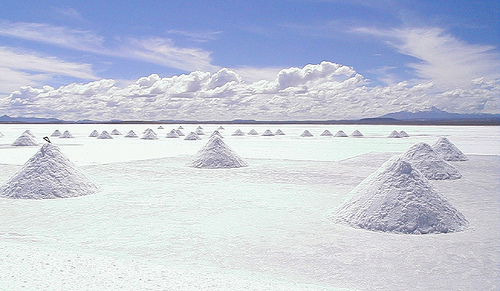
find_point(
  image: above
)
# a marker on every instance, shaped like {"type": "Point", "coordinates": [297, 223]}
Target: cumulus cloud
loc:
{"type": "Point", "coordinates": [321, 91]}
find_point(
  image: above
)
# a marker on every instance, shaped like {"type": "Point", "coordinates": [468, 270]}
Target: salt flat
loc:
{"type": "Point", "coordinates": [158, 224]}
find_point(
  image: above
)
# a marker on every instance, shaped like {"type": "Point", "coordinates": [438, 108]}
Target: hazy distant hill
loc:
{"type": "Point", "coordinates": [8, 119]}
{"type": "Point", "coordinates": [435, 113]}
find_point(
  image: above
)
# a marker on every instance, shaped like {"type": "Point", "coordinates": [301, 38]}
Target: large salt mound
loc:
{"type": "Point", "coordinates": [424, 159]}
{"type": "Point", "coordinates": [192, 136]}
{"type": "Point", "coordinates": [29, 133]}
{"type": "Point", "coordinates": [340, 133]}
{"type": "Point", "coordinates": [326, 133]}
{"type": "Point", "coordinates": [24, 140]}
{"type": "Point", "coordinates": [115, 132]}
{"type": "Point", "coordinates": [215, 155]}
{"type": "Point", "coordinates": [94, 133]}
{"type": "Point", "coordinates": [238, 132]}
{"type": "Point", "coordinates": [66, 134]}
{"type": "Point", "coordinates": [394, 134]}
{"type": "Point", "coordinates": [356, 133]}
{"type": "Point", "coordinates": [105, 135]}
{"type": "Point", "coordinates": [56, 133]}
{"type": "Point", "coordinates": [398, 198]}
{"type": "Point", "coordinates": [268, 132]}
{"type": "Point", "coordinates": [131, 133]}
{"type": "Point", "coordinates": [448, 151]}
{"type": "Point", "coordinates": [306, 133]}
{"type": "Point", "coordinates": [48, 174]}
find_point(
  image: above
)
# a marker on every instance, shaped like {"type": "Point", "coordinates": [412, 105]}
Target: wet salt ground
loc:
{"type": "Point", "coordinates": [265, 224]}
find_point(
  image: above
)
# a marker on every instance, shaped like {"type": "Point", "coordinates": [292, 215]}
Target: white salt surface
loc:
{"type": "Point", "coordinates": [155, 221]}
{"type": "Point", "coordinates": [447, 150]}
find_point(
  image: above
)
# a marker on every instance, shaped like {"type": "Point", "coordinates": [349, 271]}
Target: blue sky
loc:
{"type": "Point", "coordinates": [230, 59]}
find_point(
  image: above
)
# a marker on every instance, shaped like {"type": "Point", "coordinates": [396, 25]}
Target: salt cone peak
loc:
{"type": "Point", "coordinates": [253, 132]}
{"type": "Point", "coordinates": [398, 198]}
{"type": "Point", "coordinates": [172, 134]}
{"type": "Point", "coordinates": [66, 134]}
{"type": "Point", "coordinates": [238, 132]}
{"type": "Point", "coordinates": [27, 131]}
{"type": "Point", "coordinates": [216, 155]}
{"type": "Point", "coordinates": [394, 134]}
{"type": "Point", "coordinates": [357, 133]}
{"type": "Point", "coordinates": [56, 133]}
{"type": "Point", "coordinates": [424, 159]}
{"type": "Point", "coordinates": [48, 174]}
{"type": "Point", "coordinates": [200, 131]}
{"type": "Point", "coordinates": [179, 132]}
{"type": "Point", "coordinates": [149, 135]}
{"type": "Point", "coordinates": [115, 132]}
{"type": "Point", "coordinates": [267, 132]}
{"type": "Point", "coordinates": [340, 133]}
{"type": "Point", "coordinates": [217, 133]}
{"type": "Point", "coordinates": [326, 132]}
{"type": "Point", "coordinates": [192, 136]}
{"type": "Point", "coordinates": [448, 151]}
{"type": "Point", "coordinates": [306, 133]}
{"type": "Point", "coordinates": [160, 127]}
{"type": "Point", "coordinates": [25, 140]}
{"type": "Point", "coordinates": [131, 133]}
{"type": "Point", "coordinates": [279, 132]}
{"type": "Point", "coordinates": [105, 135]}
{"type": "Point", "coordinates": [403, 133]}
{"type": "Point", "coordinates": [94, 133]}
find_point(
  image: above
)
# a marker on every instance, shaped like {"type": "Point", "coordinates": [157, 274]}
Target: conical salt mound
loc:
{"type": "Point", "coordinates": [160, 127]}
{"type": "Point", "coordinates": [268, 133]}
{"type": "Point", "coordinates": [56, 133]}
{"type": "Point", "coordinates": [216, 155]}
{"type": "Point", "coordinates": [403, 133]}
{"type": "Point", "coordinates": [217, 133]}
{"type": "Point", "coordinates": [192, 136]}
{"type": "Point", "coordinates": [394, 134]}
{"type": "Point", "coordinates": [326, 133]}
{"type": "Point", "coordinates": [131, 134]}
{"type": "Point", "coordinates": [29, 133]}
{"type": "Point", "coordinates": [48, 174]}
{"type": "Point", "coordinates": [433, 167]}
{"type": "Point", "coordinates": [306, 133]}
{"type": "Point", "coordinates": [116, 132]}
{"type": "Point", "coordinates": [172, 134]}
{"type": "Point", "coordinates": [200, 132]}
{"type": "Point", "coordinates": [448, 151]}
{"type": "Point", "coordinates": [279, 132]}
{"type": "Point", "coordinates": [220, 128]}
{"type": "Point", "coordinates": [94, 133]}
{"type": "Point", "coordinates": [398, 198]}
{"type": "Point", "coordinates": [66, 134]}
{"type": "Point", "coordinates": [238, 132]}
{"type": "Point", "coordinates": [179, 132]}
{"type": "Point", "coordinates": [253, 132]}
{"type": "Point", "coordinates": [356, 133]}
{"type": "Point", "coordinates": [105, 135]}
{"type": "Point", "coordinates": [149, 135]}
{"type": "Point", "coordinates": [25, 140]}
{"type": "Point", "coordinates": [340, 133]}
{"type": "Point", "coordinates": [180, 127]}
{"type": "Point", "coordinates": [199, 127]}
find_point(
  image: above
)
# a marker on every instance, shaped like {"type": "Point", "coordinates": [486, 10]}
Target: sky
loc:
{"type": "Point", "coordinates": [262, 60]}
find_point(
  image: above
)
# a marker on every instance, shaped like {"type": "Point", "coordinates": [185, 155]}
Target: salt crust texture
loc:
{"type": "Point", "coordinates": [25, 140]}
{"type": "Point", "coordinates": [448, 151]}
{"type": "Point", "coordinates": [432, 166]}
{"type": "Point", "coordinates": [47, 175]}
{"type": "Point", "coordinates": [398, 198]}
{"type": "Point", "coordinates": [215, 155]}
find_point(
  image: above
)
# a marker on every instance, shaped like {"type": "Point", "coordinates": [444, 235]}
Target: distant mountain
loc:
{"type": "Point", "coordinates": [8, 119]}
{"type": "Point", "coordinates": [434, 113]}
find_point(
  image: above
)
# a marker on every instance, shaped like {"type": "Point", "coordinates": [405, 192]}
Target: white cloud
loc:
{"type": "Point", "coordinates": [197, 36]}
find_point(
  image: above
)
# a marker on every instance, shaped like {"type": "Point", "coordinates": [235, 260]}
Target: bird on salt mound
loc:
{"type": "Point", "coordinates": [48, 174]}
{"type": "Point", "coordinates": [25, 140]}
{"type": "Point", "coordinates": [398, 198]}
{"type": "Point", "coordinates": [448, 151]}
{"type": "Point", "coordinates": [432, 166]}
{"type": "Point", "coordinates": [216, 155]}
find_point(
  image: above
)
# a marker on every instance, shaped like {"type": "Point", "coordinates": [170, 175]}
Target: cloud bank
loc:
{"type": "Point", "coordinates": [316, 91]}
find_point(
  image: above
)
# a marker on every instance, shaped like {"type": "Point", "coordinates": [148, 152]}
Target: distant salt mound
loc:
{"type": "Point", "coordinates": [172, 134]}
{"type": "Point", "coordinates": [29, 133]}
{"type": "Point", "coordinates": [217, 133]}
{"type": "Point", "coordinates": [306, 133]}
{"type": "Point", "coordinates": [398, 198]}
{"type": "Point", "coordinates": [448, 151]}
{"type": "Point", "coordinates": [94, 133]}
{"type": "Point", "coordinates": [326, 133]}
{"type": "Point", "coordinates": [238, 132]}
{"type": "Point", "coordinates": [180, 127]}
{"type": "Point", "coordinates": [149, 135]}
{"type": "Point", "coordinates": [47, 175]}
{"type": "Point", "coordinates": [131, 134]}
{"type": "Point", "coordinates": [56, 133]}
{"type": "Point", "coordinates": [216, 155]}
{"type": "Point", "coordinates": [403, 133]}
{"type": "Point", "coordinates": [253, 132]}
{"type": "Point", "coordinates": [394, 134]}
{"type": "Point", "coordinates": [340, 133]}
{"type": "Point", "coordinates": [179, 132]}
{"type": "Point", "coordinates": [66, 134]}
{"type": "Point", "coordinates": [357, 133]}
{"type": "Point", "coordinates": [199, 127]}
{"type": "Point", "coordinates": [220, 128]}
{"type": "Point", "coordinates": [200, 131]}
{"type": "Point", "coordinates": [104, 135]}
{"type": "Point", "coordinates": [279, 132]}
{"type": "Point", "coordinates": [160, 127]}
{"type": "Point", "coordinates": [115, 132]}
{"type": "Point", "coordinates": [433, 167]}
{"type": "Point", "coordinates": [24, 140]}
{"type": "Point", "coordinates": [192, 136]}
{"type": "Point", "coordinates": [268, 133]}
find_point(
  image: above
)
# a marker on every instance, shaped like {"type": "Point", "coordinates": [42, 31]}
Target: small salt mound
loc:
{"type": "Point", "coordinates": [340, 133]}
{"type": "Point", "coordinates": [192, 136]}
{"type": "Point", "coordinates": [398, 198]}
{"type": "Point", "coordinates": [66, 134]}
{"type": "Point", "coordinates": [172, 134]}
{"type": "Point", "coordinates": [180, 127]}
{"type": "Point", "coordinates": [29, 133]}
{"type": "Point", "coordinates": [149, 135]}
{"type": "Point", "coordinates": [131, 134]}
{"type": "Point", "coordinates": [253, 132]}
{"type": "Point", "coordinates": [25, 140]}
{"type": "Point", "coordinates": [326, 133]}
{"type": "Point", "coordinates": [115, 132]}
{"type": "Point", "coordinates": [104, 135]}
{"type": "Point", "coordinates": [160, 127]}
{"type": "Point", "coordinates": [48, 174]}
{"type": "Point", "coordinates": [448, 151]}
{"type": "Point", "coordinates": [220, 128]}
{"type": "Point", "coordinates": [238, 132]}
{"type": "Point", "coordinates": [357, 133]}
{"type": "Point", "coordinates": [306, 133]}
{"type": "Point", "coordinates": [199, 127]}
{"type": "Point", "coordinates": [199, 131]}
{"type": "Point", "coordinates": [394, 134]}
{"type": "Point", "coordinates": [217, 133]}
{"type": "Point", "coordinates": [268, 133]}
{"type": "Point", "coordinates": [403, 133]}
{"type": "Point", "coordinates": [56, 133]}
{"type": "Point", "coordinates": [433, 167]}
{"type": "Point", "coordinates": [216, 155]}
{"type": "Point", "coordinates": [94, 133]}
{"type": "Point", "coordinates": [179, 132]}
{"type": "Point", "coordinates": [279, 132]}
